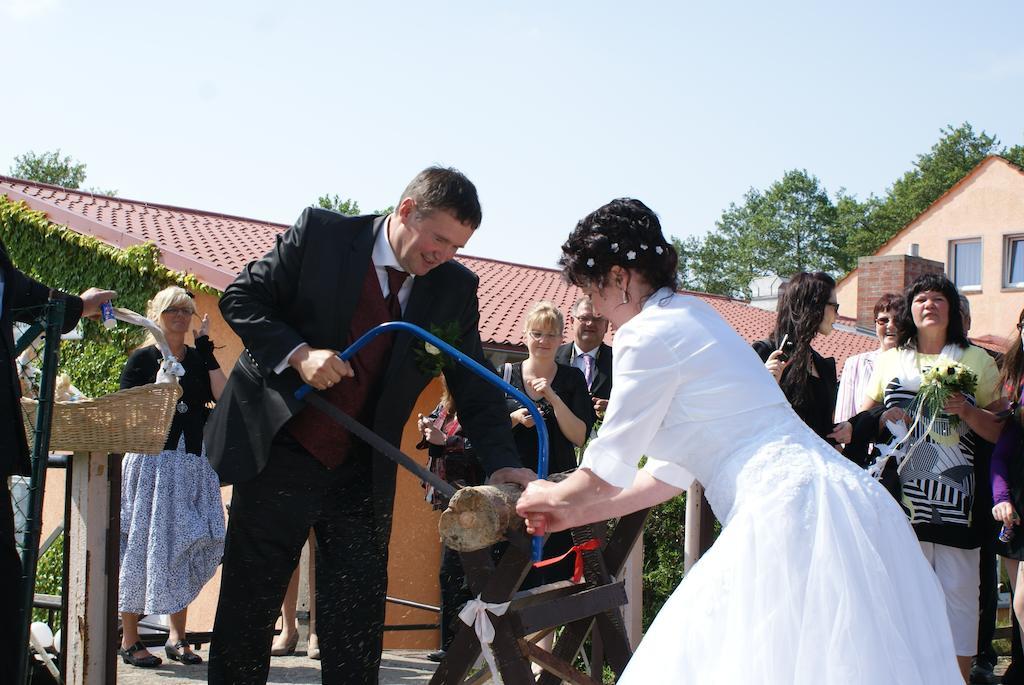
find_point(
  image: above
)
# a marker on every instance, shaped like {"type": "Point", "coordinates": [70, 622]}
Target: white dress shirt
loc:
{"type": "Point", "coordinates": [383, 256]}
{"type": "Point", "coordinates": [577, 360]}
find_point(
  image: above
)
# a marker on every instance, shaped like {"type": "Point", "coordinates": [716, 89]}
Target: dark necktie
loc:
{"type": "Point", "coordinates": [396, 278]}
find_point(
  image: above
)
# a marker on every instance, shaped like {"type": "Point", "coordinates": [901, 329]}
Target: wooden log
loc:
{"type": "Point", "coordinates": [478, 516]}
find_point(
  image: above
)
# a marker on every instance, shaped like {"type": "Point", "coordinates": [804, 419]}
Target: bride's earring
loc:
{"type": "Point", "coordinates": [625, 297]}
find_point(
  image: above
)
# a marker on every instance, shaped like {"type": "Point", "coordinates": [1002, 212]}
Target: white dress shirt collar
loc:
{"type": "Point", "coordinates": [576, 351]}
{"type": "Point", "coordinates": [384, 256]}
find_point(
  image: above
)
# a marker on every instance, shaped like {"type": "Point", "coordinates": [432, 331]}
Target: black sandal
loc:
{"type": "Point", "coordinates": [178, 653]}
{"type": "Point", "coordinates": [148, 661]}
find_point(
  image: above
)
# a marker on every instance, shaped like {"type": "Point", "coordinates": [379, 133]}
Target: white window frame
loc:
{"type": "Point", "coordinates": [981, 263]}
{"type": "Point", "coordinates": [1008, 240]}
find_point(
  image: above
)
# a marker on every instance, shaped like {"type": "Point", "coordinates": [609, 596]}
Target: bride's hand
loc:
{"type": "Point", "coordinates": [540, 509]}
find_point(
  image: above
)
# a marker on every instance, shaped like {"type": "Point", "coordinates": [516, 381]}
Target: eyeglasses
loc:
{"type": "Point", "coordinates": [178, 310]}
{"type": "Point", "coordinates": [590, 320]}
{"type": "Point", "coordinates": [538, 336]}
{"type": "Point", "coordinates": [1020, 326]}
{"type": "Point", "coordinates": [834, 305]}
{"type": "Point", "coordinates": [883, 320]}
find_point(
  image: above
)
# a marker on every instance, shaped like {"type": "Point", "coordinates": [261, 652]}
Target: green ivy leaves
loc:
{"type": "Point", "coordinates": [61, 258]}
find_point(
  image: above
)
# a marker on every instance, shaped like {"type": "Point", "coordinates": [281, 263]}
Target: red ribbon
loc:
{"type": "Point", "coordinates": [577, 567]}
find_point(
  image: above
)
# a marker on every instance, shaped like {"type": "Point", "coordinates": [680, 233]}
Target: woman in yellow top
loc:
{"type": "Point", "coordinates": [937, 477]}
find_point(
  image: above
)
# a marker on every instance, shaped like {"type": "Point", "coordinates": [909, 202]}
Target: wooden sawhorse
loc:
{"type": "Point", "coordinates": [577, 607]}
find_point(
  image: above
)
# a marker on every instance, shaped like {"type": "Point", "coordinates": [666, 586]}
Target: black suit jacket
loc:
{"type": "Point", "coordinates": [21, 297]}
{"type": "Point", "coordinates": [305, 290]}
{"type": "Point", "coordinates": [602, 385]}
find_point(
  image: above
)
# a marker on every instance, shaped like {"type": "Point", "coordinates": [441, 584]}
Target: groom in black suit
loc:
{"type": "Point", "coordinates": [588, 336]}
{"type": "Point", "coordinates": [329, 279]}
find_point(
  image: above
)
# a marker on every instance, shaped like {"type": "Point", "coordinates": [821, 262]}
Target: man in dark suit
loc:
{"type": "Point", "coordinates": [588, 336]}
{"type": "Point", "coordinates": [329, 279]}
{"type": "Point", "coordinates": [20, 300]}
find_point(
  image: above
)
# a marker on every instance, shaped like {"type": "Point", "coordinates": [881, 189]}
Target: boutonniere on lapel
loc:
{"type": "Point", "coordinates": [430, 360]}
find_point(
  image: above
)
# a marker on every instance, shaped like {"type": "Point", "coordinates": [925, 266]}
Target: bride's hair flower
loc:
{"type": "Point", "coordinates": [658, 249]}
{"type": "Point", "coordinates": [631, 255]}
{"type": "Point", "coordinates": [615, 247]}
{"type": "Point", "coordinates": [590, 263]}
{"type": "Point", "coordinates": [643, 246]}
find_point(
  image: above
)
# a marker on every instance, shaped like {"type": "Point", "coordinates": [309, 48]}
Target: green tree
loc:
{"type": "Point", "coordinates": [348, 206]}
{"type": "Point", "coordinates": [958, 150]}
{"type": "Point", "coordinates": [792, 226]}
{"type": "Point", "coordinates": [49, 167]}
{"type": "Point", "coordinates": [1015, 154]}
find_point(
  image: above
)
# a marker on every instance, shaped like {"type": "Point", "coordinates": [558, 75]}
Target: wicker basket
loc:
{"type": "Point", "coordinates": [131, 420]}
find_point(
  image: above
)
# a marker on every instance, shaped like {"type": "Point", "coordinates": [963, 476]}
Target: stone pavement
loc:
{"type": "Point", "coordinates": [400, 667]}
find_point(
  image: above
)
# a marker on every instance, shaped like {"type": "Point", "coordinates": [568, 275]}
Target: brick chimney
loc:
{"type": "Point", "coordinates": [889, 274]}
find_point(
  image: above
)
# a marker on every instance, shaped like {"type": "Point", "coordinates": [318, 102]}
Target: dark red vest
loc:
{"type": "Point", "coordinates": [357, 397]}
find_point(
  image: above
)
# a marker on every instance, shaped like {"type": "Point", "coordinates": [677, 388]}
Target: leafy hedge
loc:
{"type": "Point", "coordinates": [50, 574]}
{"type": "Point", "coordinates": [663, 554]}
{"type": "Point", "coordinates": [61, 258]}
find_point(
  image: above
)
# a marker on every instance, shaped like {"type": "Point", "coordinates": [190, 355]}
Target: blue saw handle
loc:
{"type": "Point", "coordinates": [474, 366]}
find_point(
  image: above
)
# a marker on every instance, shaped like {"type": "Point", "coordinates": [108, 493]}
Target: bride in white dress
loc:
{"type": "Point", "coordinates": [816, 577]}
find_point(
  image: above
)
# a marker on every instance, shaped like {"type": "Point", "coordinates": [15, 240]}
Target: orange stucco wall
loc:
{"type": "Point", "coordinates": [415, 547]}
{"type": "Point", "coordinates": [989, 205]}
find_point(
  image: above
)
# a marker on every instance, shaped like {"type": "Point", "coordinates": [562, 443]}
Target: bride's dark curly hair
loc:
{"type": "Point", "coordinates": [626, 233]}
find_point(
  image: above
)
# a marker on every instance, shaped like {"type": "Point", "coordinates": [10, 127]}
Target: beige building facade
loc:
{"type": "Point", "coordinates": [976, 231]}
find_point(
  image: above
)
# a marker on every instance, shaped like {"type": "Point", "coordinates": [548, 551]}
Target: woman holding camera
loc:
{"type": "Point", "coordinates": [807, 308]}
{"type": "Point", "coordinates": [561, 394]}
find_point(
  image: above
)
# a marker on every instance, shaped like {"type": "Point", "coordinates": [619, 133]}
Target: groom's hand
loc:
{"type": "Point", "coordinates": [520, 476]}
{"type": "Point", "coordinates": [319, 368]}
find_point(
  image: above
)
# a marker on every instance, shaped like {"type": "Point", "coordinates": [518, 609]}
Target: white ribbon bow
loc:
{"type": "Point", "coordinates": [475, 614]}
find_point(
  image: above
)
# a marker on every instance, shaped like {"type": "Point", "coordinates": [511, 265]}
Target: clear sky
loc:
{"type": "Point", "coordinates": [255, 108]}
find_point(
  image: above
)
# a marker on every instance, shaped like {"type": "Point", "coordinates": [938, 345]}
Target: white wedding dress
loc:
{"type": "Point", "coordinates": [817, 577]}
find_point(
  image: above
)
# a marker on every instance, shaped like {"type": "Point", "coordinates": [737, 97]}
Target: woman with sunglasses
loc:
{"type": "Point", "coordinates": [172, 518]}
{"type": "Point", "coordinates": [560, 392]}
{"type": "Point", "coordinates": [853, 383]}
{"type": "Point", "coordinates": [807, 309]}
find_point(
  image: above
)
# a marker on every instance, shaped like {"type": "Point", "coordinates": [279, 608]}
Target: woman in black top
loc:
{"type": "Point", "coordinates": [172, 518]}
{"type": "Point", "coordinates": [561, 394]}
{"type": "Point", "coordinates": [807, 308]}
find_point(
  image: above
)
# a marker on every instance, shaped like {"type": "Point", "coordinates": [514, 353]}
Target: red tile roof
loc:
{"type": "Point", "coordinates": [214, 247]}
